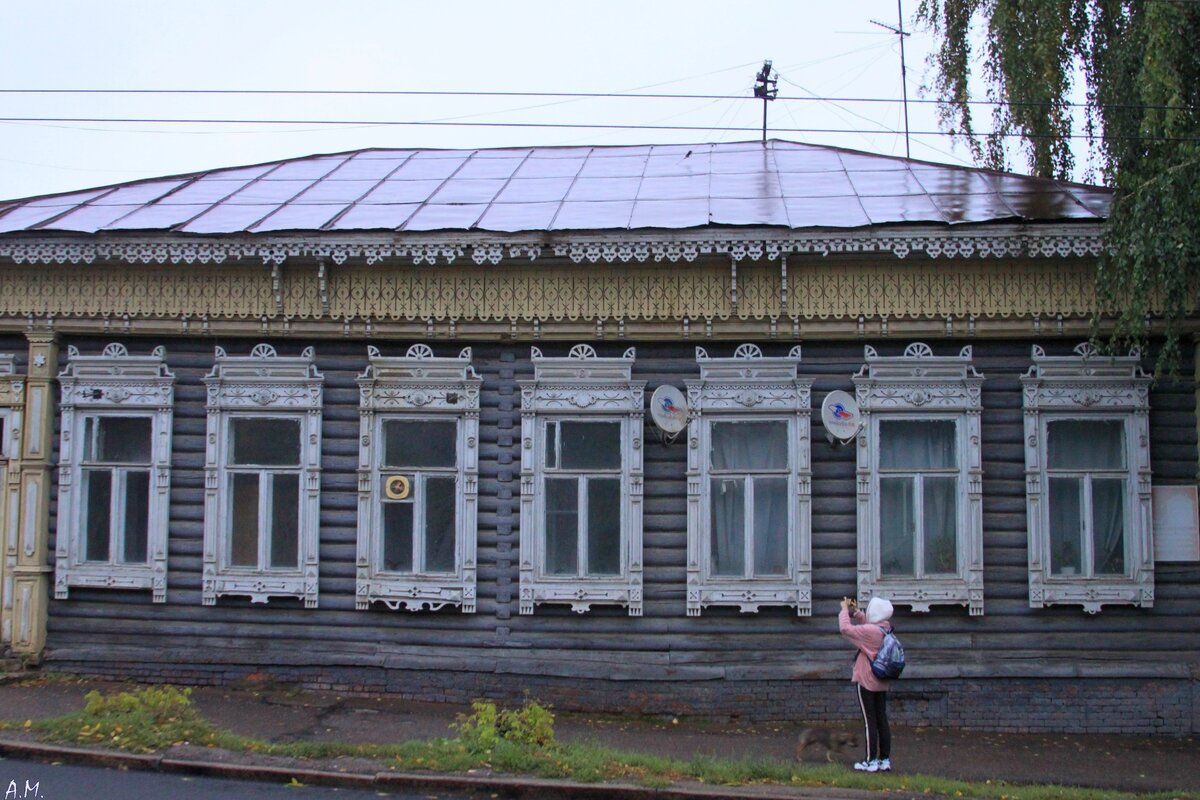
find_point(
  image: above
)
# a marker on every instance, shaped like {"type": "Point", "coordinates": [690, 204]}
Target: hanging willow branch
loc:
{"type": "Point", "coordinates": [1140, 65]}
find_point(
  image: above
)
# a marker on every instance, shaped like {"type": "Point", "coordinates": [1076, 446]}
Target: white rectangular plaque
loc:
{"type": "Point", "coordinates": [1176, 524]}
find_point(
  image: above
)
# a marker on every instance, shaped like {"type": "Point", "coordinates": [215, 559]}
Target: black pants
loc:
{"type": "Point", "coordinates": [874, 711]}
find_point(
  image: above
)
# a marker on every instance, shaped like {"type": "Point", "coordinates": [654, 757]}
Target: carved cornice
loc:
{"type": "Point", "coordinates": [999, 241]}
{"type": "Point", "coordinates": [866, 296]}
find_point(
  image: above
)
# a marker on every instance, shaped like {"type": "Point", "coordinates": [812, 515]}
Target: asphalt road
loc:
{"type": "Point", "coordinates": [31, 780]}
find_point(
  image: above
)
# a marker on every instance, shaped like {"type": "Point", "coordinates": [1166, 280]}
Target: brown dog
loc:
{"type": "Point", "coordinates": [834, 742]}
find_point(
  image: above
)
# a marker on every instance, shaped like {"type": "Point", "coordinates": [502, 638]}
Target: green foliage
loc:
{"type": "Point", "coordinates": [519, 741]}
{"type": "Point", "coordinates": [147, 719]}
{"type": "Point", "coordinates": [1140, 67]}
{"type": "Point", "coordinates": [531, 724]}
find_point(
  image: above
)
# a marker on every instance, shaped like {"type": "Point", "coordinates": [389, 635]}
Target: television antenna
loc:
{"type": "Point", "coordinates": [900, 32]}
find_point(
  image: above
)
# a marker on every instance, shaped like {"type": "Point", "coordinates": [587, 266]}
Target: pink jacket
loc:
{"type": "Point", "coordinates": [868, 638]}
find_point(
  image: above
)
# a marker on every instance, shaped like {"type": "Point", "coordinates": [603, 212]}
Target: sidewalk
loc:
{"type": "Point", "coordinates": [284, 714]}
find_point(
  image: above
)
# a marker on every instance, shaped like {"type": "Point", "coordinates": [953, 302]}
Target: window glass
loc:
{"type": "Point", "coordinates": [917, 444]}
{"type": "Point", "coordinates": [604, 526]}
{"type": "Point", "coordinates": [97, 503]}
{"type": "Point", "coordinates": [285, 521]}
{"type": "Point", "coordinates": [770, 526]}
{"type": "Point", "coordinates": [265, 442]}
{"type": "Point", "coordinates": [551, 445]}
{"type": "Point", "coordinates": [897, 526]}
{"type": "Point", "coordinates": [398, 537]}
{"type": "Point", "coordinates": [749, 445]}
{"type": "Point", "coordinates": [940, 518]}
{"type": "Point", "coordinates": [420, 443]}
{"type": "Point", "coordinates": [728, 524]}
{"type": "Point", "coordinates": [117, 440]}
{"type": "Point", "coordinates": [1066, 526]}
{"type": "Point", "coordinates": [590, 445]}
{"type": "Point", "coordinates": [244, 530]}
{"type": "Point", "coordinates": [1085, 444]}
{"type": "Point", "coordinates": [137, 516]}
{"type": "Point", "coordinates": [562, 526]}
{"type": "Point", "coordinates": [1108, 525]}
{"type": "Point", "coordinates": [439, 523]}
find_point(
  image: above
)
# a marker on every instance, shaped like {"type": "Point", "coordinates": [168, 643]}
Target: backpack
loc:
{"type": "Point", "coordinates": [889, 661]}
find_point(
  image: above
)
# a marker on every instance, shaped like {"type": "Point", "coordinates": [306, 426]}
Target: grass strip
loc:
{"type": "Point", "coordinates": [516, 741]}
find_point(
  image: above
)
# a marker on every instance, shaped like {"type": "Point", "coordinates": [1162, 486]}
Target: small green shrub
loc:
{"type": "Point", "coordinates": [143, 720]}
{"type": "Point", "coordinates": [531, 725]}
{"type": "Point", "coordinates": [477, 730]}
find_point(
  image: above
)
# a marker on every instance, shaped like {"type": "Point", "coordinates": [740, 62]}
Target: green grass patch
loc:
{"type": "Point", "coordinates": [519, 741]}
{"type": "Point", "coordinates": [140, 721]}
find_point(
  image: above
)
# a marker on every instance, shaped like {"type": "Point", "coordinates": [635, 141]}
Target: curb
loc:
{"type": "Point", "coordinates": [531, 788]}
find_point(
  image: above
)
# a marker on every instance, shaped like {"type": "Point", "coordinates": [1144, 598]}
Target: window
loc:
{"type": "Point", "coordinates": [115, 471]}
{"type": "Point", "coordinates": [749, 479]}
{"type": "Point", "coordinates": [1087, 459]}
{"type": "Point", "coordinates": [262, 477]}
{"type": "Point", "coordinates": [920, 505]}
{"type": "Point", "coordinates": [419, 495]}
{"type": "Point", "coordinates": [581, 482]}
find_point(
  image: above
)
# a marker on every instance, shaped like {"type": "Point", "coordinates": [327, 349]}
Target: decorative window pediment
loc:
{"type": "Point", "coordinates": [418, 481]}
{"type": "Point", "coordinates": [581, 482]}
{"type": "Point", "coordinates": [262, 476]}
{"type": "Point", "coordinates": [920, 487]}
{"type": "Point", "coordinates": [749, 483]}
{"type": "Point", "coordinates": [115, 472]}
{"type": "Point", "coordinates": [1088, 482]}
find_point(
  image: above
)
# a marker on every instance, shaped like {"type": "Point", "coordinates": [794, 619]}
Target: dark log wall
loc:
{"type": "Point", "coordinates": [663, 660]}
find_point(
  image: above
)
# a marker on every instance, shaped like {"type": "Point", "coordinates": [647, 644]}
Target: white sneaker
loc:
{"type": "Point", "coordinates": [867, 766]}
{"type": "Point", "coordinates": [884, 764]}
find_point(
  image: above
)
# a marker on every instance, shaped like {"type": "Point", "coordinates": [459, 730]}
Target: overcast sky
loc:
{"type": "Point", "coordinates": [823, 49]}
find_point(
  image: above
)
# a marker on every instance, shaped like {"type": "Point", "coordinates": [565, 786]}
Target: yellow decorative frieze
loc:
{"type": "Point", "coordinates": [812, 288]}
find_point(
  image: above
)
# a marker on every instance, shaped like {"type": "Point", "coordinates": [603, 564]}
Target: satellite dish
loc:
{"type": "Point", "coordinates": [841, 416]}
{"type": "Point", "coordinates": [669, 409]}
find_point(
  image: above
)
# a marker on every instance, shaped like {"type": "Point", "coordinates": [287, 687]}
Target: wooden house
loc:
{"type": "Point", "coordinates": [379, 421]}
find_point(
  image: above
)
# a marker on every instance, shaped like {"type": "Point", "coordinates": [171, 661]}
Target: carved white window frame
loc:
{"type": "Point", "coordinates": [1089, 386]}
{"type": "Point", "coordinates": [113, 384]}
{"type": "Point", "coordinates": [749, 388]}
{"type": "Point", "coordinates": [417, 387]}
{"type": "Point", "coordinates": [921, 386]}
{"type": "Point", "coordinates": [262, 385]}
{"type": "Point", "coordinates": [581, 386]}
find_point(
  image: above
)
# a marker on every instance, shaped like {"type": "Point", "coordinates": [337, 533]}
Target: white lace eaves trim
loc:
{"type": "Point", "coordinates": [1009, 243]}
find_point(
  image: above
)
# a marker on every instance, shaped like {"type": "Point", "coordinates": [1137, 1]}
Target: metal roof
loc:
{"type": "Point", "coordinates": [779, 183]}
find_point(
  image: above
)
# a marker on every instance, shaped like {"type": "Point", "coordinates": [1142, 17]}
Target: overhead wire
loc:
{"type": "Point", "coordinates": [592, 125]}
{"type": "Point", "coordinates": [633, 94]}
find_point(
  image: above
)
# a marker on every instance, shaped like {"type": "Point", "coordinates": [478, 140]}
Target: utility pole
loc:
{"type": "Point", "coordinates": [766, 88]}
{"type": "Point", "coordinates": [899, 31]}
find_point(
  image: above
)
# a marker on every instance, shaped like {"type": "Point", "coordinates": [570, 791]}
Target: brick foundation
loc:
{"type": "Point", "coordinates": [1166, 707]}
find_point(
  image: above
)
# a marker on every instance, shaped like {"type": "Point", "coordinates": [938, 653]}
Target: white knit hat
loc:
{"type": "Point", "coordinates": [879, 610]}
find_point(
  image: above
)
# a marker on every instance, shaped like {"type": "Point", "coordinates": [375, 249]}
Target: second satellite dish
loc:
{"type": "Point", "coordinates": [841, 416]}
{"type": "Point", "coordinates": [669, 410]}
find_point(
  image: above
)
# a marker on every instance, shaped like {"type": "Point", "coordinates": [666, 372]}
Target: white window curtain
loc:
{"type": "Point", "coordinates": [1087, 506]}
{"type": "Point", "coordinates": [918, 508]}
{"type": "Point", "coordinates": [747, 448]}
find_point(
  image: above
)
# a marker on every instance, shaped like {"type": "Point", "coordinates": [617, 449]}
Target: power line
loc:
{"type": "Point", "coordinates": [595, 125]}
{"type": "Point", "coordinates": [591, 95]}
